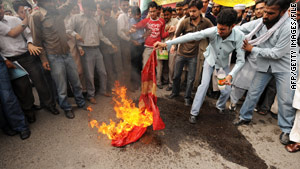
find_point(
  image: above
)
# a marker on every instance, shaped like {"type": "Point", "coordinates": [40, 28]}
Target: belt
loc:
{"type": "Point", "coordinates": [14, 58]}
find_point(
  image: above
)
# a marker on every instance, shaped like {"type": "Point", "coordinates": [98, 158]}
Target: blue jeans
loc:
{"type": "Point", "coordinates": [12, 111]}
{"type": "Point", "coordinates": [286, 112]}
{"type": "Point", "coordinates": [202, 89]}
{"type": "Point", "coordinates": [179, 63]}
{"type": "Point", "coordinates": [63, 71]}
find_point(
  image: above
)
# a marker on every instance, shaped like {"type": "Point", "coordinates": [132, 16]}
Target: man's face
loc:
{"type": "Point", "coordinates": [216, 9]}
{"type": "Point", "coordinates": [167, 16]}
{"type": "Point", "coordinates": [239, 13]}
{"type": "Point", "coordinates": [205, 3]}
{"type": "Point", "coordinates": [153, 13]}
{"type": "Point", "coordinates": [129, 12]}
{"type": "Point", "coordinates": [194, 13]}
{"type": "Point", "coordinates": [21, 12]}
{"type": "Point", "coordinates": [179, 11]}
{"type": "Point", "coordinates": [106, 14]}
{"type": "Point", "coordinates": [137, 17]}
{"type": "Point", "coordinates": [158, 12]}
{"type": "Point", "coordinates": [224, 30]}
{"type": "Point", "coordinates": [124, 6]}
{"type": "Point", "coordinates": [174, 15]}
{"type": "Point", "coordinates": [259, 10]}
{"type": "Point", "coordinates": [185, 9]}
{"type": "Point", "coordinates": [271, 15]}
{"type": "Point", "coordinates": [1, 11]}
{"type": "Point", "coordinates": [98, 10]}
{"type": "Point", "coordinates": [89, 11]}
{"type": "Point", "coordinates": [76, 10]}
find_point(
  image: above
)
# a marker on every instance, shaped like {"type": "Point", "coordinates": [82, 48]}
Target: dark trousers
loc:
{"type": "Point", "coordinates": [12, 112]}
{"type": "Point", "coordinates": [179, 64]}
{"type": "Point", "coordinates": [36, 73]}
{"type": "Point", "coordinates": [136, 63]}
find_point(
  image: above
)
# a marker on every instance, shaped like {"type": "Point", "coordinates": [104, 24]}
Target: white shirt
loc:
{"type": "Point", "coordinates": [9, 46]}
{"type": "Point", "coordinates": [123, 26]}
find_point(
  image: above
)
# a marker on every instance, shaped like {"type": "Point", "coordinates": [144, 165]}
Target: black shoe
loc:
{"type": "Point", "coordinates": [169, 88]}
{"type": "Point", "coordinates": [193, 119]}
{"type": "Point", "coordinates": [187, 102]}
{"type": "Point", "coordinates": [8, 131]}
{"type": "Point", "coordinates": [284, 138]}
{"type": "Point", "coordinates": [275, 116]}
{"type": "Point", "coordinates": [36, 107]}
{"type": "Point", "coordinates": [172, 96]}
{"type": "Point", "coordinates": [30, 117]}
{"type": "Point", "coordinates": [25, 134]}
{"type": "Point", "coordinates": [53, 110]}
{"type": "Point", "coordinates": [160, 86]}
{"type": "Point", "coordinates": [69, 114]}
{"type": "Point", "coordinates": [241, 122]}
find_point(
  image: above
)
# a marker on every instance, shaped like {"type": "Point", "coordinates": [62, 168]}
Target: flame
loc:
{"type": "Point", "coordinates": [129, 114]}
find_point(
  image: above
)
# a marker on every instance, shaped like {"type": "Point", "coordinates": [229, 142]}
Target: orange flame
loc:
{"type": "Point", "coordinates": [129, 114]}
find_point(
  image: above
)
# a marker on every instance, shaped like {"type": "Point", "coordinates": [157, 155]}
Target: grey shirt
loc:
{"type": "Point", "coordinates": [88, 28]}
{"type": "Point", "coordinates": [274, 52]}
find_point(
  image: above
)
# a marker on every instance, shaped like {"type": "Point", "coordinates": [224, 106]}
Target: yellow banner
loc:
{"type": "Point", "coordinates": [164, 2]}
{"type": "Point", "coordinates": [231, 3]}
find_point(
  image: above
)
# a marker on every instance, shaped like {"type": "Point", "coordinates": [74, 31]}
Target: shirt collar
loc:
{"type": "Point", "coordinates": [231, 37]}
{"type": "Point", "coordinates": [201, 20]}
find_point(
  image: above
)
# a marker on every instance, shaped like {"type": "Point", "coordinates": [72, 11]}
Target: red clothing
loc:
{"type": "Point", "coordinates": [157, 28]}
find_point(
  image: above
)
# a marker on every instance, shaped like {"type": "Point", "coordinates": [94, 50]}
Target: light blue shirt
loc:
{"type": "Point", "coordinates": [218, 51]}
{"type": "Point", "coordinates": [274, 52]}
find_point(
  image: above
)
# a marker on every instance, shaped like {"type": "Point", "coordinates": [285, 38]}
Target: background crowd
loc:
{"type": "Point", "coordinates": [70, 48]}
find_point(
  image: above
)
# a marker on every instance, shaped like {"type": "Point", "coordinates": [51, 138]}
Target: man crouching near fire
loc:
{"type": "Point", "coordinates": [223, 40]}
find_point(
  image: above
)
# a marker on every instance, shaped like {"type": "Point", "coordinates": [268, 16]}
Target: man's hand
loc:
{"type": "Point", "coordinates": [228, 80]}
{"type": "Point", "coordinates": [114, 48]}
{"type": "Point", "coordinates": [132, 29]}
{"type": "Point", "coordinates": [135, 43]}
{"type": "Point", "coordinates": [9, 64]}
{"type": "Point", "coordinates": [81, 51]}
{"type": "Point", "coordinates": [172, 29]}
{"type": "Point", "coordinates": [172, 50]}
{"type": "Point", "coordinates": [147, 33]}
{"type": "Point", "coordinates": [246, 46]}
{"type": "Point", "coordinates": [79, 38]}
{"type": "Point", "coordinates": [34, 50]}
{"type": "Point", "coordinates": [159, 45]}
{"type": "Point", "coordinates": [46, 66]}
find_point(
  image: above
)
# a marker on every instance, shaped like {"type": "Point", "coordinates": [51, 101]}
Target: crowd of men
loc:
{"type": "Point", "coordinates": [81, 48]}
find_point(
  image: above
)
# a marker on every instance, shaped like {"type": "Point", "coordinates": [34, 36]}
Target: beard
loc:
{"type": "Point", "coordinates": [268, 22]}
{"type": "Point", "coordinates": [193, 17]}
{"type": "Point", "coordinates": [239, 19]}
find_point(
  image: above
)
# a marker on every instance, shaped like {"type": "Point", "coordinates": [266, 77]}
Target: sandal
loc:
{"type": "Point", "coordinates": [292, 148]}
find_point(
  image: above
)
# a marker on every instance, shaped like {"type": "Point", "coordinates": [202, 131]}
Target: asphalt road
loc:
{"type": "Point", "coordinates": [59, 143]}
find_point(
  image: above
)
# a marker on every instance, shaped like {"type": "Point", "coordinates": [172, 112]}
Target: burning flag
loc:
{"type": "Point", "coordinates": [134, 121]}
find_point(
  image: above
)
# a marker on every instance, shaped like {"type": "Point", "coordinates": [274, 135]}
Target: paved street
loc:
{"type": "Point", "coordinates": [59, 143]}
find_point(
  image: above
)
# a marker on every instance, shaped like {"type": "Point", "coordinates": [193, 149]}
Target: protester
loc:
{"type": "Point", "coordinates": [170, 21]}
{"type": "Point", "coordinates": [272, 47]}
{"type": "Point", "coordinates": [240, 9]}
{"type": "Point", "coordinates": [259, 9]}
{"type": "Point", "coordinates": [19, 6]}
{"type": "Point", "coordinates": [48, 31]}
{"type": "Point", "coordinates": [174, 14]}
{"type": "Point", "coordinates": [21, 50]}
{"type": "Point", "coordinates": [123, 32]}
{"type": "Point", "coordinates": [223, 40]}
{"type": "Point", "coordinates": [205, 5]}
{"type": "Point", "coordinates": [179, 10]}
{"type": "Point", "coordinates": [212, 12]}
{"type": "Point", "coordinates": [112, 58]}
{"type": "Point", "coordinates": [137, 48]}
{"type": "Point", "coordinates": [188, 52]}
{"type": "Point", "coordinates": [157, 27]}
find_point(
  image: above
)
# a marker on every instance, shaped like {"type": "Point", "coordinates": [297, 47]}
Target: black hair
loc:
{"type": "Point", "coordinates": [179, 4]}
{"type": "Point", "coordinates": [227, 17]}
{"type": "Point", "coordinates": [187, 2]}
{"type": "Point", "coordinates": [173, 9]}
{"type": "Point", "coordinates": [105, 5]}
{"type": "Point", "coordinates": [17, 3]}
{"type": "Point", "coordinates": [8, 10]}
{"type": "Point", "coordinates": [158, 7]}
{"type": "Point", "coordinates": [90, 4]}
{"type": "Point", "coordinates": [283, 4]}
{"type": "Point", "coordinates": [196, 3]}
{"type": "Point", "coordinates": [259, 1]}
{"type": "Point", "coordinates": [167, 9]}
{"type": "Point", "coordinates": [152, 4]}
{"type": "Point", "coordinates": [135, 10]}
